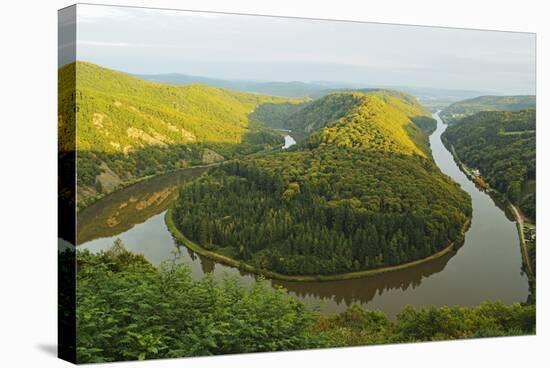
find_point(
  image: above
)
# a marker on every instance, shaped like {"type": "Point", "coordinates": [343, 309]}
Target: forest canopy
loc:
{"type": "Point", "coordinates": [457, 111]}
{"type": "Point", "coordinates": [502, 146]}
{"type": "Point", "coordinates": [360, 192]}
{"type": "Point", "coordinates": [127, 309]}
{"type": "Point", "coordinates": [129, 128]}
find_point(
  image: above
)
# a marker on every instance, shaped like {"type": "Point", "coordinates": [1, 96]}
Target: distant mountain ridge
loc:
{"type": "Point", "coordinates": [462, 109]}
{"type": "Point", "coordinates": [433, 98]}
{"type": "Point", "coordinates": [283, 89]}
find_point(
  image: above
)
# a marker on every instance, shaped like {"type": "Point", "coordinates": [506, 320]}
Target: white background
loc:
{"type": "Point", "coordinates": [28, 78]}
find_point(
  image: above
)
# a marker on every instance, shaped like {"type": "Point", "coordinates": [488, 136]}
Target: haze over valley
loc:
{"type": "Point", "coordinates": [251, 184]}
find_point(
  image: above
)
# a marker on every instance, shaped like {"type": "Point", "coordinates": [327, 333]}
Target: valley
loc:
{"type": "Point", "coordinates": [345, 216]}
{"type": "Point", "coordinates": [290, 207]}
{"type": "Point", "coordinates": [238, 183]}
{"type": "Point", "coordinates": [305, 211]}
{"type": "Point", "coordinates": [491, 234]}
{"type": "Point", "coordinates": [129, 129]}
{"type": "Point", "coordinates": [498, 149]}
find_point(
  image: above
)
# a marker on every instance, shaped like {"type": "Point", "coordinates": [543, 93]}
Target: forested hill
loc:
{"type": "Point", "coordinates": [377, 120]}
{"type": "Point", "coordinates": [117, 112]}
{"type": "Point", "coordinates": [362, 191]}
{"type": "Point", "coordinates": [394, 110]}
{"type": "Point", "coordinates": [501, 145]}
{"type": "Point", "coordinates": [459, 110]}
{"type": "Point", "coordinates": [129, 128]}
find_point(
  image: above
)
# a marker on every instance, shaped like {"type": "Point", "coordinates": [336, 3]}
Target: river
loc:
{"type": "Point", "coordinates": [289, 141]}
{"type": "Point", "coordinates": [486, 267]}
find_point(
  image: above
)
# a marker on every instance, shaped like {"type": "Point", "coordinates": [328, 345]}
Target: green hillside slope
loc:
{"type": "Point", "coordinates": [306, 117]}
{"type": "Point", "coordinates": [359, 192]}
{"type": "Point", "coordinates": [502, 146]}
{"type": "Point", "coordinates": [379, 120]}
{"type": "Point", "coordinates": [276, 115]}
{"type": "Point", "coordinates": [459, 110]}
{"type": "Point", "coordinates": [129, 128]}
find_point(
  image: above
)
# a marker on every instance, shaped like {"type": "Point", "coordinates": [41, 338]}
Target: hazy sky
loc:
{"type": "Point", "coordinates": [284, 49]}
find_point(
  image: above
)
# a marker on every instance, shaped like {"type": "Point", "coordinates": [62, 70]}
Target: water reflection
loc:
{"type": "Point", "coordinates": [486, 267]}
{"type": "Point", "coordinates": [289, 142]}
{"type": "Point", "coordinates": [123, 209]}
{"type": "Point", "coordinates": [364, 290]}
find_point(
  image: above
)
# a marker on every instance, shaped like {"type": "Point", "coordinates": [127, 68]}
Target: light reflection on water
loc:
{"type": "Point", "coordinates": [486, 267]}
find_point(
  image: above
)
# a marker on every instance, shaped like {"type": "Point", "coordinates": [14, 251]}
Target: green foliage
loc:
{"type": "Point", "coordinates": [357, 326]}
{"type": "Point", "coordinates": [532, 253]}
{"type": "Point", "coordinates": [425, 123]}
{"type": "Point", "coordinates": [354, 327]}
{"type": "Point", "coordinates": [98, 187]}
{"type": "Point", "coordinates": [137, 128]}
{"type": "Point", "coordinates": [487, 319]}
{"type": "Point", "coordinates": [502, 145]}
{"type": "Point", "coordinates": [129, 310]}
{"type": "Point", "coordinates": [390, 112]}
{"type": "Point", "coordinates": [119, 113]}
{"type": "Point", "coordinates": [66, 107]}
{"type": "Point", "coordinates": [88, 168]}
{"type": "Point", "coordinates": [276, 115]}
{"type": "Point", "coordinates": [360, 193]}
{"type": "Point", "coordinates": [455, 112]}
{"type": "Point", "coordinates": [66, 313]}
{"type": "Point", "coordinates": [321, 112]}
{"type": "Point", "coordinates": [377, 122]}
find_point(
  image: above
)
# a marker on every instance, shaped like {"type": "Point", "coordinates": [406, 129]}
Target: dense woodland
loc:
{"type": "Point", "coordinates": [457, 111]}
{"type": "Point", "coordinates": [129, 128]}
{"type": "Point", "coordinates": [501, 145]}
{"type": "Point", "coordinates": [153, 160]}
{"type": "Point", "coordinates": [361, 192]}
{"type": "Point", "coordinates": [127, 309]}
{"type": "Point", "coordinates": [276, 115]}
{"type": "Point", "coordinates": [344, 106]}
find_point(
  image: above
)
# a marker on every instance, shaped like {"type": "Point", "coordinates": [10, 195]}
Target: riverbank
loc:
{"type": "Point", "coordinates": [419, 286]}
{"type": "Point", "coordinates": [523, 243]}
{"type": "Point", "coordinates": [243, 266]}
{"type": "Point", "coordinates": [503, 201]}
{"type": "Point", "coordinates": [81, 205]}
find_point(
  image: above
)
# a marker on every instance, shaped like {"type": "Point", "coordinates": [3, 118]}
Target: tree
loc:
{"type": "Point", "coordinates": [98, 187]}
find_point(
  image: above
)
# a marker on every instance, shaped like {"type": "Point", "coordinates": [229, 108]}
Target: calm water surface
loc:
{"type": "Point", "coordinates": [289, 141]}
{"type": "Point", "coordinates": [486, 267]}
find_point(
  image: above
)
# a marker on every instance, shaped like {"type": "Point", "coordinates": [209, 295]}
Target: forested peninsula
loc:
{"type": "Point", "coordinates": [360, 191]}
